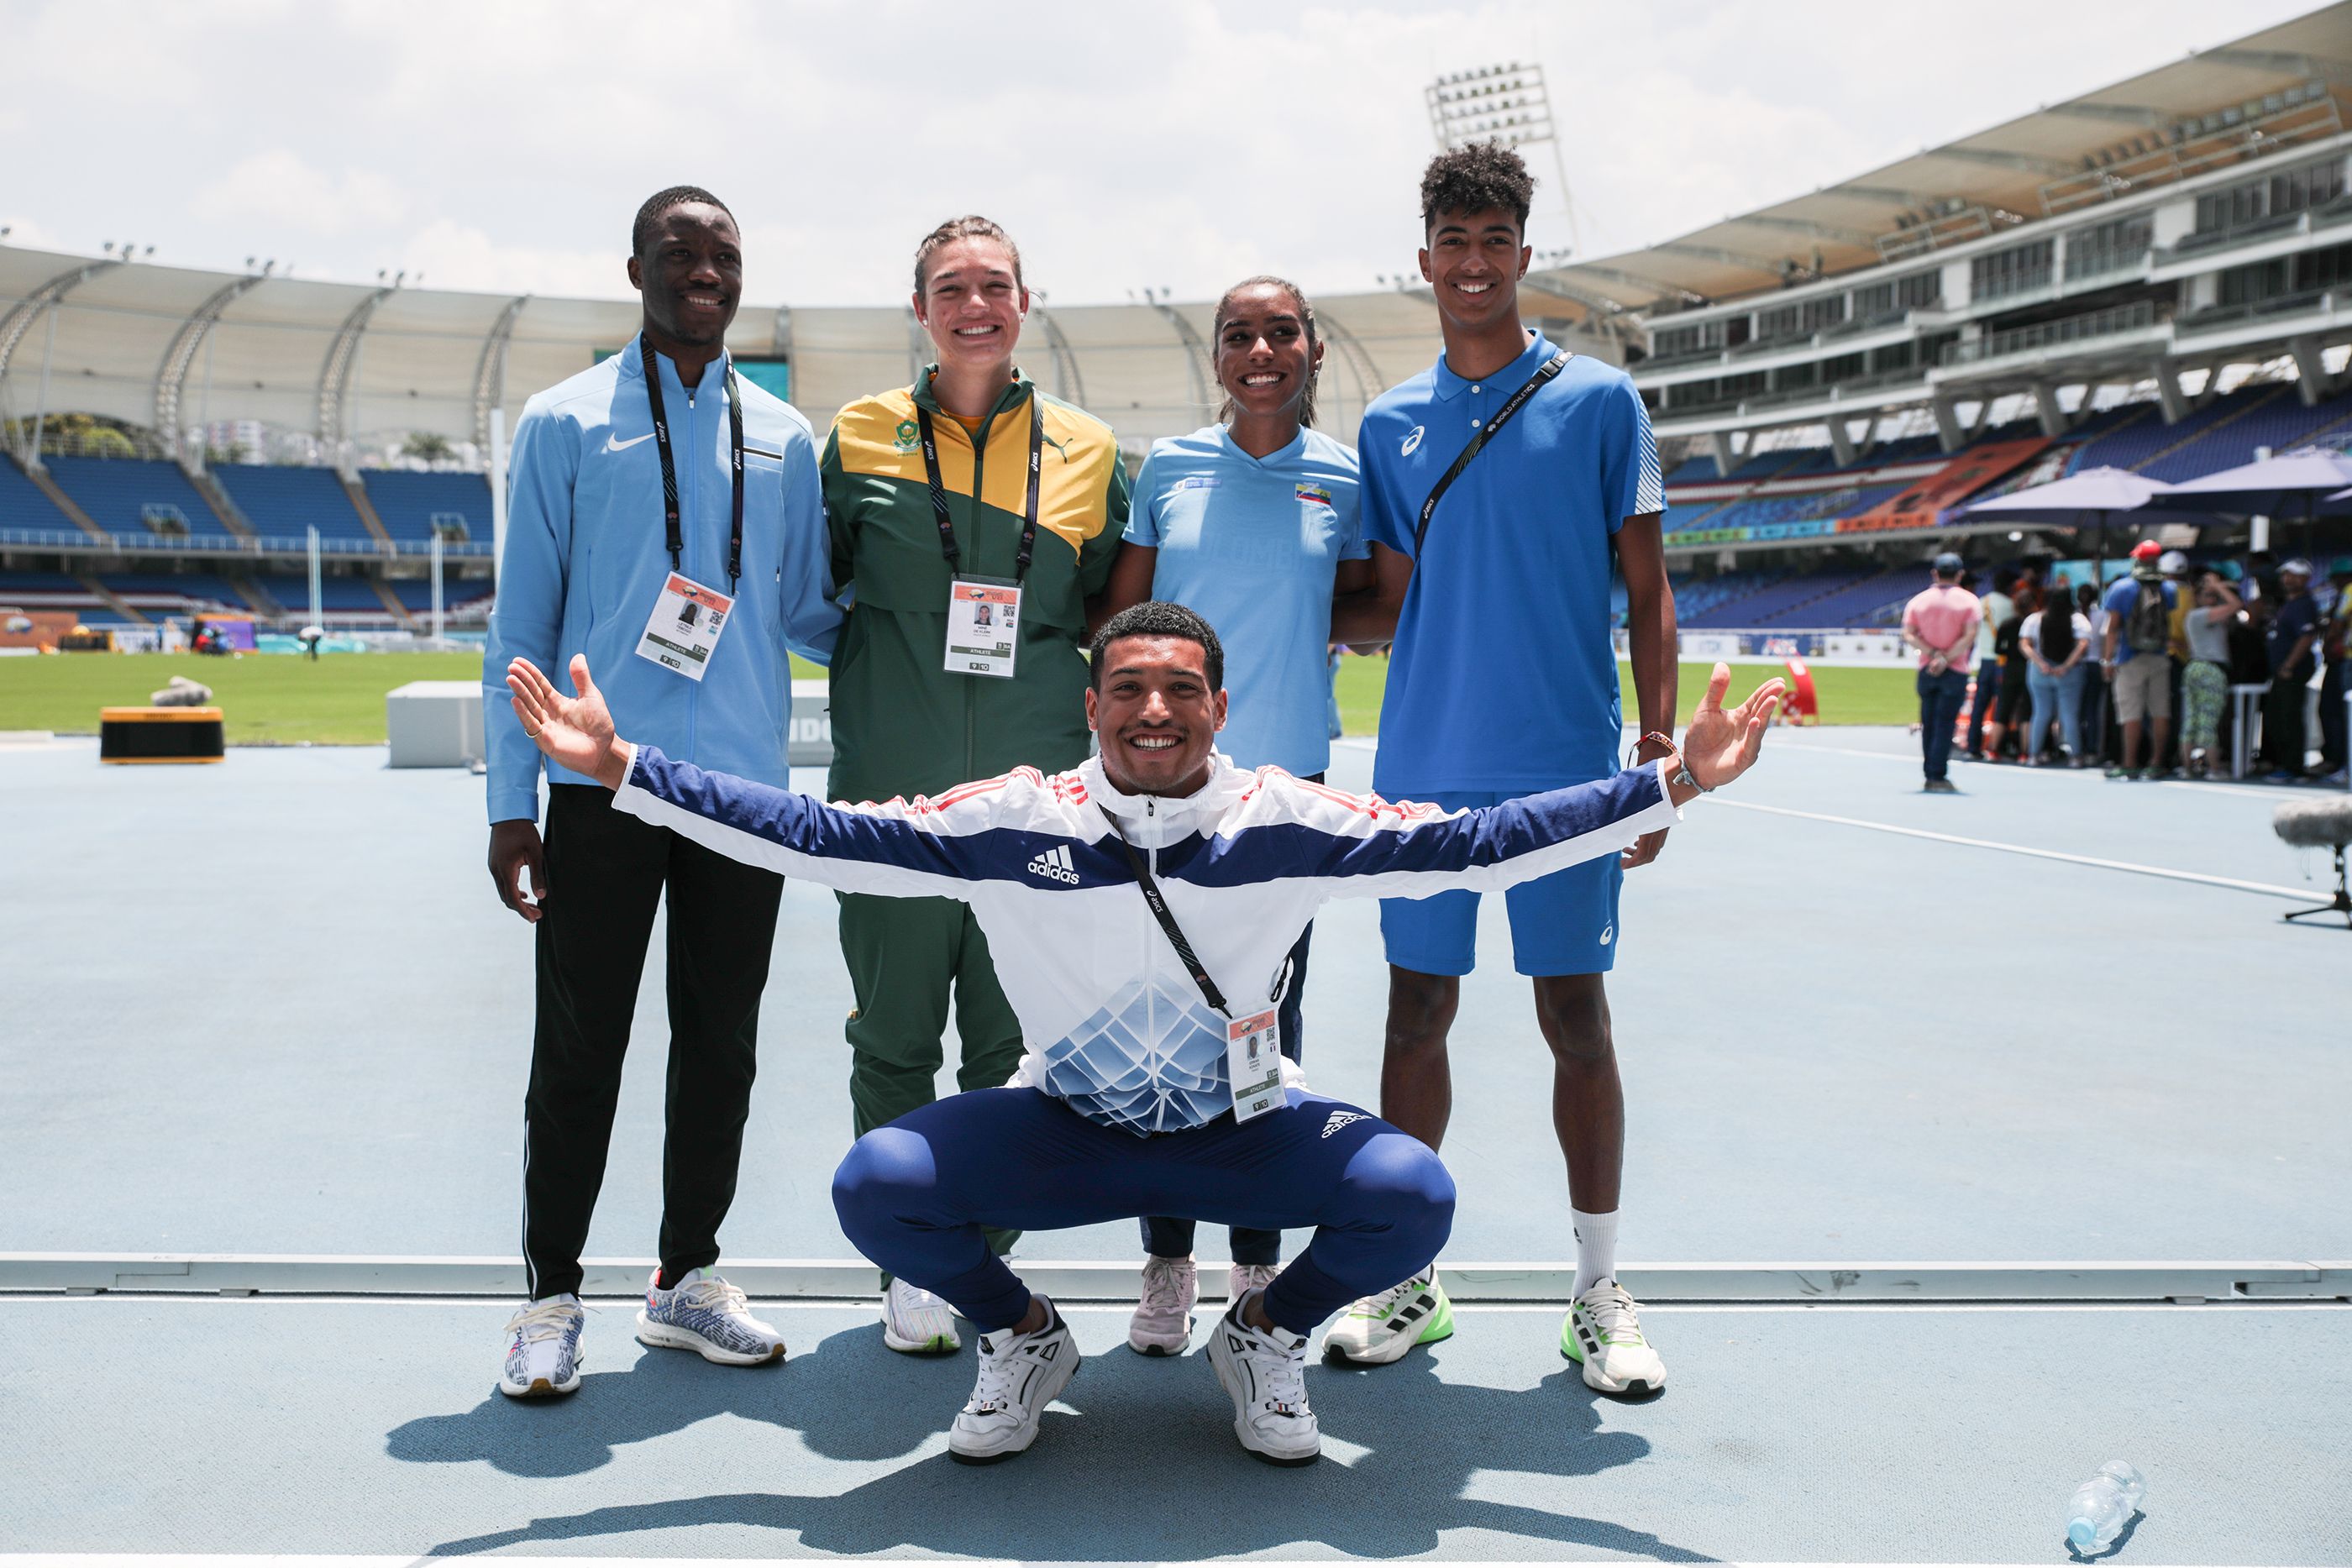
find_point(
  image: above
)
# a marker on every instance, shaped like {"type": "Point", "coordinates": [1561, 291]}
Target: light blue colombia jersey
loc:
{"type": "Point", "coordinates": [1253, 545]}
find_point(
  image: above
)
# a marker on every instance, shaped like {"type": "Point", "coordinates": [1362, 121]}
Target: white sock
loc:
{"type": "Point", "coordinates": [1596, 1248]}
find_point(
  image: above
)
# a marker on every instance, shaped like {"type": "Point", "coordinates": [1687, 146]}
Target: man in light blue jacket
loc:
{"type": "Point", "coordinates": [663, 518]}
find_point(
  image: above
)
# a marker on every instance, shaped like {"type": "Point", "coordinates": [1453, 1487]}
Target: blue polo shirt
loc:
{"type": "Point", "coordinates": [1253, 545]}
{"type": "Point", "coordinates": [1503, 676]}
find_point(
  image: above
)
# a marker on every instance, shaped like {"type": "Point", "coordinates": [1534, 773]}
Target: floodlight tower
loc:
{"type": "Point", "coordinates": [1507, 103]}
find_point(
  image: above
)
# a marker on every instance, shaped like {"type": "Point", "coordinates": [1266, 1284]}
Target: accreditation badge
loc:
{"type": "Point", "coordinates": [684, 630]}
{"type": "Point", "coordinates": [983, 626]}
{"type": "Point", "coordinates": [1253, 1065]}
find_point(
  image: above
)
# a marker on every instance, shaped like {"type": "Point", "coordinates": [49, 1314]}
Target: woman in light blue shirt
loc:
{"type": "Point", "coordinates": [1254, 523]}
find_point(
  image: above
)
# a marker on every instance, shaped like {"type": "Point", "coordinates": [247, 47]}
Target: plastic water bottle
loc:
{"type": "Point", "coordinates": [2103, 1505]}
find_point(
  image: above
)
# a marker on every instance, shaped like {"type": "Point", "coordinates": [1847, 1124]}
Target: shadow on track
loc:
{"type": "Point", "coordinates": [1148, 1469]}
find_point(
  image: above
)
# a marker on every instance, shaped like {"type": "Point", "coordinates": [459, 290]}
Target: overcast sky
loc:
{"type": "Point", "coordinates": [502, 145]}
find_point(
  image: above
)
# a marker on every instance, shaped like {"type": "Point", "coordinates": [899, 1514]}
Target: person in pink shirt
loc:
{"type": "Point", "coordinates": [1941, 622]}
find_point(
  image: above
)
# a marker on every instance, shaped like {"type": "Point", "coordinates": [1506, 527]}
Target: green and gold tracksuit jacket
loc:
{"type": "Point", "coordinates": [902, 723]}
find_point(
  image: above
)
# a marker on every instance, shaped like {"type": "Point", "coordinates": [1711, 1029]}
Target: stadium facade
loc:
{"type": "Point", "coordinates": [2157, 275]}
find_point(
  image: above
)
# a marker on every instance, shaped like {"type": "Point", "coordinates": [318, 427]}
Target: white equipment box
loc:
{"type": "Point", "coordinates": [434, 724]}
{"type": "Point", "coordinates": [439, 723]}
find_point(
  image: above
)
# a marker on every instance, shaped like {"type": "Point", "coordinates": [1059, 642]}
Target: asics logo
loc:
{"type": "Point", "coordinates": [613, 442]}
{"type": "Point", "coordinates": [1054, 865]}
{"type": "Point", "coordinates": [1412, 440]}
{"type": "Point", "coordinates": [1341, 1119]}
{"type": "Point", "coordinates": [1607, 932]}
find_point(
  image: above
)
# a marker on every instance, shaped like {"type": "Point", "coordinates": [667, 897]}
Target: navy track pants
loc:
{"type": "Point", "coordinates": [913, 1197]}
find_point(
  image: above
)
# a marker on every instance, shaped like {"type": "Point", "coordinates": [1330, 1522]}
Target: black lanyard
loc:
{"type": "Point", "coordinates": [940, 490]}
{"type": "Point", "coordinates": [669, 468]}
{"type": "Point", "coordinates": [1161, 913]}
{"type": "Point", "coordinates": [1503, 416]}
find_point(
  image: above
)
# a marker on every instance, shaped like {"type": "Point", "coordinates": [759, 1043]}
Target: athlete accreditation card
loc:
{"type": "Point", "coordinates": [684, 628]}
{"type": "Point", "coordinates": [1253, 1065]}
{"type": "Point", "coordinates": [983, 626]}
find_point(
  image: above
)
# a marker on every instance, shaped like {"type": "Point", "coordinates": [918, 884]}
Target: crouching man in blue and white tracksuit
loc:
{"type": "Point", "coordinates": [1140, 907]}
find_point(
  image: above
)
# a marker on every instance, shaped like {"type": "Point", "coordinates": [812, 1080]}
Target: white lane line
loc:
{"type": "Point", "coordinates": [2201, 787]}
{"type": "Point", "coordinates": [322, 1560]}
{"type": "Point", "coordinates": [1551, 1309]}
{"type": "Point", "coordinates": [2269, 890]}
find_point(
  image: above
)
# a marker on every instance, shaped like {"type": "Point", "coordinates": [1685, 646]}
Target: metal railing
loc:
{"type": "Point", "coordinates": [2308, 220]}
{"type": "Point", "coordinates": [2224, 317]}
{"type": "Point", "coordinates": [2103, 262]}
{"type": "Point", "coordinates": [74, 541]}
{"type": "Point", "coordinates": [2109, 323]}
{"type": "Point", "coordinates": [2259, 129]}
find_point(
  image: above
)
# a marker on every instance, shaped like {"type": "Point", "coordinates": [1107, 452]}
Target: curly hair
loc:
{"type": "Point", "coordinates": [972, 225]}
{"type": "Point", "coordinates": [657, 205]}
{"type": "Point", "coordinates": [1481, 176]}
{"type": "Point", "coordinates": [1306, 319]}
{"type": "Point", "coordinates": [1158, 618]}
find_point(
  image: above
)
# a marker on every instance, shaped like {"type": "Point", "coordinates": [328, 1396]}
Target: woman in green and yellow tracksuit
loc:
{"type": "Point", "coordinates": [931, 502]}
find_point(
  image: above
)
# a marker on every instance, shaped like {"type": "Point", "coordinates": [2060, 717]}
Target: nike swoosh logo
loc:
{"type": "Point", "coordinates": [614, 444]}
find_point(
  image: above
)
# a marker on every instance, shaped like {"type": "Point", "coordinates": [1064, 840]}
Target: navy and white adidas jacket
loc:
{"type": "Point", "coordinates": [1114, 1024]}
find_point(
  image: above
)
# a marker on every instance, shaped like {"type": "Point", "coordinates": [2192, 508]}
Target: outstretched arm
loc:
{"type": "Point", "coordinates": [1406, 851]}
{"type": "Point", "coordinates": [894, 849]}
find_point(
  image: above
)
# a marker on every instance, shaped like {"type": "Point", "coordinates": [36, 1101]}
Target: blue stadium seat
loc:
{"type": "Point", "coordinates": [12, 583]}
{"type": "Point", "coordinates": [335, 593]}
{"type": "Point", "coordinates": [408, 502]}
{"type": "Point", "coordinates": [118, 493]}
{"type": "Point", "coordinates": [200, 587]}
{"type": "Point", "coordinates": [23, 505]}
{"type": "Point", "coordinates": [284, 503]}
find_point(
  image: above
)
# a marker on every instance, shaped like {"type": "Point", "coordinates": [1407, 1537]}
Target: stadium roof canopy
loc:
{"type": "Point", "coordinates": [170, 349]}
{"type": "Point", "coordinates": [2064, 158]}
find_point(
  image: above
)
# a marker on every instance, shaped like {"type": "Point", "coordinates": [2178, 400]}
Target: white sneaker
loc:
{"type": "Point", "coordinates": [706, 1315]}
{"type": "Point", "coordinates": [917, 1323]}
{"type": "Point", "coordinates": [543, 1348]}
{"type": "Point", "coordinates": [1244, 1278]}
{"type": "Point", "coordinates": [1379, 1329]}
{"type": "Point", "coordinates": [1264, 1373]}
{"type": "Point", "coordinates": [1162, 1323]}
{"type": "Point", "coordinates": [1020, 1374]}
{"type": "Point", "coordinates": [1604, 1334]}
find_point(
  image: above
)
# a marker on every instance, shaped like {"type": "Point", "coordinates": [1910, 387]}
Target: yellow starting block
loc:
{"type": "Point", "coordinates": [159, 735]}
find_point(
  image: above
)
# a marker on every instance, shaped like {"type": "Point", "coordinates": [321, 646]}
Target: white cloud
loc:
{"type": "Point", "coordinates": [448, 255]}
{"type": "Point", "coordinates": [505, 145]}
{"type": "Point", "coordinates": [280, 189]}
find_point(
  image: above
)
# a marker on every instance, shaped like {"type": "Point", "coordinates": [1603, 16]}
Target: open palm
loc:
{"type": "Point", "coordinates": [574, 732]}
{"type": "Point", "coordinates": [1719, 746]}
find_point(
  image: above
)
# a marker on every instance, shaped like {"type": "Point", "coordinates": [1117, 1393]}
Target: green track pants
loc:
{"type": "Point", "coordinates": [906, 955]}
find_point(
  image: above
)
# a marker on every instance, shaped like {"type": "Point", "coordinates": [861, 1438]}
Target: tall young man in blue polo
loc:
{"type": "Point", "coordinates": [1501, 486]}
{"type": "Point", "coordinates": [663, 518]}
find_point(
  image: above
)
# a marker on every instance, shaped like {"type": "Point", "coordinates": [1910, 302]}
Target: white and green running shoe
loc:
{"type": "Point", "coordinates": [917, 1323]}
{"type": "Point", "coordinates": [1379, 1329]}
{"type": "Point", "coordinates": [1603, 1335]}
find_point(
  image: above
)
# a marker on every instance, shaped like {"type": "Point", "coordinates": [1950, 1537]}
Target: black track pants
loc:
{"type": "Point", "coordinates": [606, 873]}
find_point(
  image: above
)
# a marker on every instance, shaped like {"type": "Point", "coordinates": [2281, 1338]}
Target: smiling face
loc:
{"type": "Point", "coordinates": [1264, 360]}
{"type": "Point", "coordinates": [971, 303]}
{"type": "Point", "coordinates": [691, 274]}
{"type": "Point", "coordinates": [1156, 714]}
{"type": "Point", "coordinates": [1474, 262]}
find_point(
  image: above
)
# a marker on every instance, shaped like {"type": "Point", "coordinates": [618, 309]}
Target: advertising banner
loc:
{"type": "Point", "coordinates": [1919, 505]}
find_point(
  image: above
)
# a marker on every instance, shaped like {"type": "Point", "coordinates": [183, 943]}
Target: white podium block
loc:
{"type": "Point", "coordinates": [809, 742]}
{"type": "Point", "coordinates": [434, 724]}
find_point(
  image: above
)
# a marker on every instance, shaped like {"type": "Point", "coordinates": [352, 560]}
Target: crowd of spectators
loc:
{"type": "Point", "coordinates": [2070, 676]}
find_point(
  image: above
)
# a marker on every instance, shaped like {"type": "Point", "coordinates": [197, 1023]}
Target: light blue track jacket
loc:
{"type": "Point", "coordinates": [586, 556]}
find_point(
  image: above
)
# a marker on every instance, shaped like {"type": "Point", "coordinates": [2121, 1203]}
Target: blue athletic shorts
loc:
{"type": "Point", "coordinates": [1564, 923]}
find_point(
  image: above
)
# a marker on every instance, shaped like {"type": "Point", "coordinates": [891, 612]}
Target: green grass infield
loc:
{"type": "Point", "coordinates": [269, 699]}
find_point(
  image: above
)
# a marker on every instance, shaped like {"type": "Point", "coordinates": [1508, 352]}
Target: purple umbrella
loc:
{"type": "Point", "coordinates": [2292, 481]}
{"type": "Point", "coordinates": [2087, 500]}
